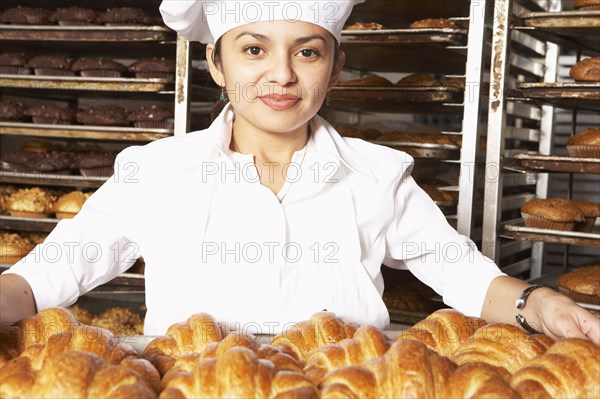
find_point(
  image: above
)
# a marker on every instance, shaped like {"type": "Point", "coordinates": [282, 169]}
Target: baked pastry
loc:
{"type": "Point", "coordinates": [24, 16]}
{"type": "Point", "coordinates": [239, 373]}
{"type": "Point", "coordinates": [364, 26]}
{"type": "Point", "coordinates": [437, 23]}
{"type": "Point", "coordinates": [81, 314]}
{"type": "Point", "coordinates": [50, 114]}
{"type": "Point", "coordinates": [104, 115]}
{"type": "Point", "coordinates": [40, 146]}
{"type": "Point", "coordinates": [591, 211]}
{"type": "Point", "coordinates": [53, 65]}
{"type": "Point", "coordinates": [581, 285]}
{"type": "Point", "coordinates": [36, 238]}
{"type": "Point", "coordinates": [153, 68]}
{"type": "Point", "coordinates": [95, 164]}
{"type": "Point", "coordinates": [125, 16]}
{"type": "Point", "coordinates": [13, 248]}
{"type": "Point", "coordinates": [193, 335]}
{"type": "Point", "coordinates": [98, 67]}
{"type": "Point", "coordinates": [586, 5]}
{"type": "Point", "coordinates": [422, 138]}
{"type": "Point", "coordinates": [551, 213]}
{"type": "Point", "coordinates": [30, 162]}
{"type": "Point", "coordinates": [68, 205]}
{"type": "Point", "coordinates": [418, 80]}
{"type": "Point", "coordinates": [11, 111]}
{"type": "Point", "coordinates": [366, 81]}
{"type": "Point", "coordinates": [585, 143]}
{"type": "Point", "coordinates": [587, 70]}
{"type": "Point", "coordinates": [6, 190]}
{"type": "Point", "coordinates": [14, 64]}
{"type": "Point", "coordinates": [70, 16]}
{"type": "Point", "coordinates": [569, 369]}
{"type": "Point", "coordinates": [29, 202]}
{"type": "Point", "coordinates": [152, 117]}
{"type": "Point", "coordinates": [365, 134]}
{"type": "Point", "coordinates": [120, 321]}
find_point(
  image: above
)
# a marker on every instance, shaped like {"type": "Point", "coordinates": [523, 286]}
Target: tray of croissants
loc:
{"type": "Point", "coordinates": [446, 355]}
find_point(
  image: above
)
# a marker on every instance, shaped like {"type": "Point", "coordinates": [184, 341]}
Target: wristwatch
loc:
{"type": "Point", "coordinates": [522, 301]}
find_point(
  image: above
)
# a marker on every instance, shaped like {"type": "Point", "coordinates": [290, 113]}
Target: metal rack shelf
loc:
{"type": "Point", "coordinates": [551, 163]}
{"type": "Point", "coordinates": [84, 83]}
{"type": "Point", "coordinates": [46, 179]}
{"type": "Point", "coordinates": [424, 150]}
{"type": "Point", "coordinates": [93, 33]}
{"type": "Point", "coordinates": [577, 95]}
{"type": "Point", "coordinates": [83, 132]}
{"type": "Point", "coordinates": [27, 224]}
{"type": "Point", "coordinates": [521, 232]}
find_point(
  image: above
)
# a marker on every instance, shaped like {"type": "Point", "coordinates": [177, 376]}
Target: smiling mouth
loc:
{"type": "Point", "coordinates": [280, 102]}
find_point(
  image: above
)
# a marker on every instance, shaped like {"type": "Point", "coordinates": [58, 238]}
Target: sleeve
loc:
{"type": "Point", "coordinates": [92, 248]}
{"type": "Point", "coordinates": [420, 239]}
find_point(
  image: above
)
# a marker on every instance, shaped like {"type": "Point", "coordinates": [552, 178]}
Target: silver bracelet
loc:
{"type": "Point", "coordinates": [520, 304]}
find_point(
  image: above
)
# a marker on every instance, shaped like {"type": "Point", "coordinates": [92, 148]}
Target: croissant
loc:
{"type": "Point", "coordinates": [443, 331]}
{"type": "Point", "coordinates": [368, 343]}
{"type": "Point", "coordinates": [569, 369]}
{"type": "Point", "coordinates": [503, 346]}
{"type": "Point", "coordinates": [190, 336]}
{"type": "Point", "coordinates": [305, 337]}
{"type": "Point", "coordinates": [76, 374]}
{"type": "Point", "coordinates": [478, 380]}
{"type": "Point", "coordinates": [239, 373]}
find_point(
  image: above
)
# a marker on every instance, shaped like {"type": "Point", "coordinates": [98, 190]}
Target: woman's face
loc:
{"type": "Point", "coordinates": [276, 74]}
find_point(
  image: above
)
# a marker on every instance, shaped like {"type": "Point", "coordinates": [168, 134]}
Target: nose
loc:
{"type": "Point", "coordinates": [281, 70]}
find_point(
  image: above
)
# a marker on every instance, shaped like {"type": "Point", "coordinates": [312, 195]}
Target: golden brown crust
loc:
{"type": "Point", "coordinates": [81, 314]}
{"type": "Point", "coordinates": [581, 284]}
{"type": "Point", "coordinates": [590, 136]}
{"type": "Point", "coordinates": [587, 70]}
{"type": "Point", "coordinates": [422, 138]}
{"type": "Point", "coordinates": [366, 81]}
{"type": "Point", "coordinates": [433, 23]}
{"type": "Point", "coordinates": [586, 4]}
{"type": "Point", "coordinates": [120, 321]}
{"type": "Point", "coordinates": [418, 80]}
{"type": "Point", "coordinates": [70, 203]}
{"type": "Point", "coordinates": [33, 200]}
{"type": "Point", "coordinates": [589, 208]}
{"type": "Point", "coordinates": [13, 247]}
{"type": "Point", "coordinates": [364, 26]}
{"type": "Point", "coordinates": [554, 209]}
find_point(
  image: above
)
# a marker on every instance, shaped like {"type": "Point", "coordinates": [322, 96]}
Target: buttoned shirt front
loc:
{"type": "Point", "coordinates": [217, 241]}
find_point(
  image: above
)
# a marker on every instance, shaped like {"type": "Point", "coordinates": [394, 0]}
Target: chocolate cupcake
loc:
{"type": "Point", "coordinates": [50, 114]}
{"type": "Point", "coordinates": [153, 117]}
{"type": "Point", "coordinates": [74, 16]}
{"type": "Point", "coordinates": [155, 67]}
{"type": "Point", "coordinates": [25, 16]}
{"type": "Point", "coordinates": [125, 16]}
{"type": "Point", "coordinates": [11, 111]}
{"type": "Point", "coordinates": [98, 67]}
{"type": "Point", "coordinates": [105, 115]}
{"type": "Point", "coordinates": [96, 164]}
{"type": "Point", "coordinates": [14, 64]}
{"type": "Point", "coordinates": [53, 65]}
{"type": "Point", "coordinates": [56, 162]}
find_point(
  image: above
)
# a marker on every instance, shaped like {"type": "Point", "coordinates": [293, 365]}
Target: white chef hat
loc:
{"type": "Point", "coordinates": [207, 21]}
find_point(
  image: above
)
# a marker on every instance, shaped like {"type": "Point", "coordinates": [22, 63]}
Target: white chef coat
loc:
{"type": "Point", "coordinates": [215, 240]}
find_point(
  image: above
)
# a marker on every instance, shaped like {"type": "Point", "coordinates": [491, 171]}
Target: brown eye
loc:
{"type": "Point", "coordinates": [253, 50]}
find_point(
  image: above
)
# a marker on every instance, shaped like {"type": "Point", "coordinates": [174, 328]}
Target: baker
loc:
{"type": "Point", "coordinates": [269, 215]}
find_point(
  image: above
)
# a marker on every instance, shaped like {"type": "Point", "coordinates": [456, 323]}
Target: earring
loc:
{"type": "Point", "coordinates": [327, 101]}
{"type": "Point", "coordinates": [222, 96]}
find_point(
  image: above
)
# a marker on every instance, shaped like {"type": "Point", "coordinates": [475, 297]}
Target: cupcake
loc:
{"type": "Point", "coordinates": [587, 70]}
{"type": "Point", "coordinates": [590, 210]}
{"type": "Point", "coordinates": [25, 16]}
{"type": "Point", "coordinates": [55, 162]}
{"type": "Point", "coordinates": [104, 115]}
{"type": "Point", "coordinates": [125, 16]}
{"type": "Point", "coordinates": [551, 213]}
{"type": "Point", "coordinates": [67, 206]}
{"type": "Point", "coordinates": [585, 144]}
{"type": "Point", "coordinates": [155, 67]}
{"type": "Point", "coordinates": [581, 285]}
{"type": "Point", "coordinates": [153, 117]}
{"type": "Point", "coordinates": [96, 164]}
{"type": "Point", "coordinates": [81, 314]}
{"type": "Point", "coordinates": [98, 67]}
{"type": "Point", "coordinates": [71, 16]}
{"type": "Point", "coordinates": [14, 64]}
{"type": "Point", "coordinates": [36, 238]}
{"type": "Point", "coordinates": [30, 202]}
{"type": "Point", "coordinates": [13, 248]}
{"type": "Point", "coordinates": [11, 111]}
{"type": "Point", "coordinates": [6, 190]}
{"type": "Point", "coordinates": [50, 114]}
{"type": "Point", "coordinates": [52, 65]}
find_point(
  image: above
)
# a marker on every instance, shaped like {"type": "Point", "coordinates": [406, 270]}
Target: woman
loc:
{"type": "Point", "coordinates": [269, 215]}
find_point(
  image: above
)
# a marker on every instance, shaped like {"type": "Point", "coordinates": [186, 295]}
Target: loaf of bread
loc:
{"type": "Point", "coordinates": [303, 338]}
{"type": "Point", "coordinates": [587, 70]}
{"type": "Point", "coordinates": [569, 369]}
{"type": "Point", "coordinates": [190, 336]}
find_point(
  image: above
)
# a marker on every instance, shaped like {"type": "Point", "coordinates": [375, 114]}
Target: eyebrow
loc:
{"type": "Point", "coordinates": [299, 40]}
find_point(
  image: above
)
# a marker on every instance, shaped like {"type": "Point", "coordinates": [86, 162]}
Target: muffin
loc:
{"type": "Point", "coordinates": [125, 16]}
{"type": "Point", "coordinates": [587, 70]}
{"type": "Point", "coordinates": [55, 162]}
{"type": "Point", "coordinates": [6, 190]}
{"type": "Point", "coordinates": [30, 202]}
{"type": "Point", "coordinates": [14, 64]}
{"type": "Point", "coordinates": [437, 23]}
{"type": "Point", "coordinates": [52, 65]}
{"type": "Point", "coordinates": [153, 117]}
{"type": "Point", "coordinates": [96, 164]}
{"type": "Point", "coordinates": [71, 16]}
{"type": "Point", "coordinates": [81, 314]}
{"type": "Point", "coordinates": [13, 248]}
{"type": "Point", "coordinates": [582, 284]}
{"type": "Point", "coordinates": [98, 67]}
{"type": "Point", "coordinates": [586, 5]}
{"type": "Point", "coordinates": [585, 144]}
{"type": "Point", "coordinates": [155, 67]}
{"type": "Point", "coordinates": [590, 210]}
{"type": "Point", "coordinates": [50, 114]}
{"type": "Point", "coordinates": [366, 81]}
{"type": "Point", "coordinates": [104, 115]}
{"type": "Point", "coordinates": [418, 80]}
{"type": "Point", "coordinates": [25, 16]}
{"type": "Point", "coordinates": [364, 26]}
{"type": "Point", "coordinates": [11, 111]}
{"type": "Point", "coordinates": [551, 213]}
{"type": "Point", "coordinates": [36, 238]}
{"type": "Point", "coordinates": [67, 206]}
{"type": "Point", "coordinates": [120, 321]}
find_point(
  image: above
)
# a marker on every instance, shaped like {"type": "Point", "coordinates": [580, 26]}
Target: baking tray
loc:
{"type": "Point", "coordinates": [47, 179]}
{"type": "Point", "coordinates": [84, 83]}
{"type": "Point", "coordinates": [423, 150]}
{"type": "Point", "coordinates": [96, 33]}
{"type": "Point", "coordinates": [446, 36]}
{"type": "Point", "coordinates": [45, 225]}
{"type": "Point", "coordinates": [83, 131]}
{"type": "Point", "coordinates": [562, 94]}
{"type": "Point", "coordinates": [519, 231]}
{"type": "Point", "coordinates": [552, 163]}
